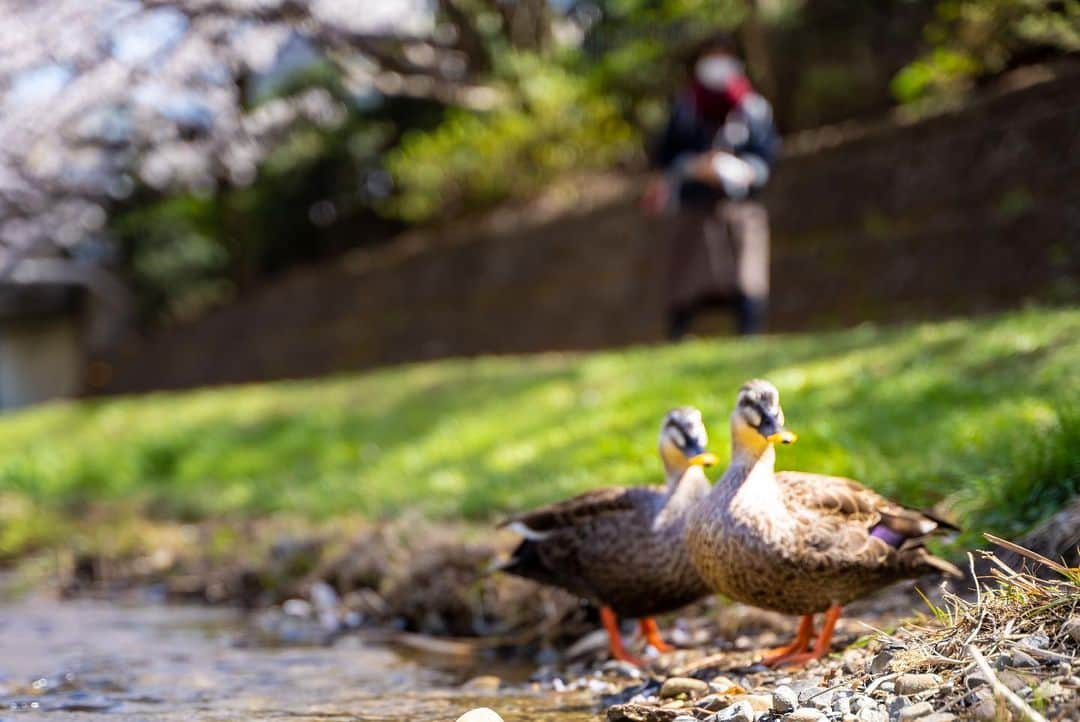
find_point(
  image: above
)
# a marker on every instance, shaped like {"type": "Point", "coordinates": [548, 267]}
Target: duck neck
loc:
{"type": "Point", "coordinates": [749, 483]}
{"type": "Point", "coordinates": [684, 488]}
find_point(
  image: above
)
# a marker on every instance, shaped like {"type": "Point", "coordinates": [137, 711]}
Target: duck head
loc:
{"type": "Point", "coordinates": [758, 421]}
{"type": "Point", "coordinates": [683, 441]}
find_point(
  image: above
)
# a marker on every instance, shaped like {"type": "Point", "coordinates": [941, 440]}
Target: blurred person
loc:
{"type": "Point", "coordinates": [716, 153]}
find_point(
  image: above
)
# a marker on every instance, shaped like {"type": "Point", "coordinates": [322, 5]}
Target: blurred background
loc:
{"type": "Point", "coordinates": [204, 192]}
{"type": "Point", "coordinates": [299, 297]}
{"type": "Point", "coordinates": [302, 219]}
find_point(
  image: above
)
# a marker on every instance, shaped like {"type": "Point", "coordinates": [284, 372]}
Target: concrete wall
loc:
{"type": "Point", "coordinates": [967, 212]}
{"type": "Point", "coordinates": [40, 359]}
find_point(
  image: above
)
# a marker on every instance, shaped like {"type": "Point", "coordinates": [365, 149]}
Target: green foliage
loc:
{"type": "Point", "coordinates": [555, 123]}
{"type": "Point", "coordinates": [979, 416]}
{"type": "Point", "coordinates": [974, 38]}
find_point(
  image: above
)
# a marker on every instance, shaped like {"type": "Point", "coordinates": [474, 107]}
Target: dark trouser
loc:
{"type": "Point", "coordinates": [749, 314]}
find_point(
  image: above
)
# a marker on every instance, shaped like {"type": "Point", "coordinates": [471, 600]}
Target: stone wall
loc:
{"type": "Point", "coordinates": [969, 211]}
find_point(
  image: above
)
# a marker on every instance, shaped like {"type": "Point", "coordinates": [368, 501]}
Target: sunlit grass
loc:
{"type": "Point", "coordinates": [980, 417]}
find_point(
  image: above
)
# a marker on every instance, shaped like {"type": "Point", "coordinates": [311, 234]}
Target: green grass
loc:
{"type": "Point", "coordinates": [982, 416]}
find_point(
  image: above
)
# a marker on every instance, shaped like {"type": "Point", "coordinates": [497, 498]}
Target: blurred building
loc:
{"type": "Point", "coordinates": [42, 342]}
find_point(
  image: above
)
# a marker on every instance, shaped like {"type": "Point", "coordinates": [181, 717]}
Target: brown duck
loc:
{"type": "Point", "coordinates": [800, 543]}
{"type": "Point", "coordinates": [624, 548]}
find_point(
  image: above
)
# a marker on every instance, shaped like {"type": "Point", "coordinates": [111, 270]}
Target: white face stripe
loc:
{"type": "Point", "coordinates": [684, 428]}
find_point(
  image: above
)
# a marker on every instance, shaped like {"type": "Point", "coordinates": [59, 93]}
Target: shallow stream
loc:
{"type": "Point", "coordinates": [102, 662]}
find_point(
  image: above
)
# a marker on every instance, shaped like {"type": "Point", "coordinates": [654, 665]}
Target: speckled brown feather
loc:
{"type": "Point", "coordinates": [798, 543]}
{"type": "Point", "coordinates": [620, 547]}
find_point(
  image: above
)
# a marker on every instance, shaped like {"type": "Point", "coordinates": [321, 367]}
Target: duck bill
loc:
{"type": "Point", "coordinates": [703, 459]}
{"type": "Point", "coordinates": [783, 436]}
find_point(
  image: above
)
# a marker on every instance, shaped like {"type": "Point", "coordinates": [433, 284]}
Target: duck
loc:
{"type": "Point", "coordinates": [622, 548]}
{"type": "Point", "coordinates": [800, 543]}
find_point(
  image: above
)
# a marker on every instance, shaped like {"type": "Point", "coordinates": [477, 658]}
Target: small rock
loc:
{"type": "Point", "coordinates": [297, 607]}
{"type": "Point", "coordinates": [938, 717]}
{"type": "Point", "coordinates": [738, 712]}
{"type": "Point", "coordinates": [621, 669]}
{"type": "Point", "coordinates": [985, 710]}
{"type": "Point", "coordinates": [853, 661]}
{"type": "Point", "coordinates": [757, 702]}
{"type": "Point", "coordinates": [879, 663]}
{"type": "Point", "coordinates": [685, 718]}
{"type": "Point", "coordinates": [809, 693]}
{"type": "Point", "coordinates": [860, 702]}
{"type": "Point", "coordinates": [872, 714]}
{"type": "Point", "coordinates": [1012, 680]}
{"type": "Point", "coordinates": [1036, 641]}
{"type": "Point", "coordinates": [484, 684]}
{"type": "Point", "coordinates": [784, 699]}
{"type": "Point", "coordinates": [896, 704]}
{"type": "Point", "coordinates": [726, 685]}
{"type": "Point", "coordinates": [1072, 628]}
{"type": "Point", "coordinates": [842, 705]}
{"type": "Point", "coordinates": [641, 713]}
{"type": "Point", "coordinates": [1019, 658]}
{"type": "Point", "coordinates": [713, 702]}
{"type": "Point", "coordinates": [683, 686]}
{"type": "Point", "coordinates": [915, 711]}
{"type": "Point", "coordinates": [824, 700]}
{"type": "Point", "coordinates": [916, 683]}
{"type": "Point", "coordinates": [805, 714]}
{"type": "Point", "coordinates": [480, 714]}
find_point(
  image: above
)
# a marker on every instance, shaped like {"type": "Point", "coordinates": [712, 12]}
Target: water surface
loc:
{"type": "Point", "coordinates": [103, 662]}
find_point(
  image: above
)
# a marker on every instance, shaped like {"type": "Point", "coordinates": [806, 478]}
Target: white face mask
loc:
{"type": "Point", "coordinates": [716, 72]}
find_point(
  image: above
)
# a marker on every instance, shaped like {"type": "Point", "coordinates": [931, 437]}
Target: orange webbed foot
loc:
{"type": "Point", "coordinates": [651, 632]}
{"type": "Point", "coordinates": [821, 646]}
{"type": "Point", "coordinates": [615, 643]}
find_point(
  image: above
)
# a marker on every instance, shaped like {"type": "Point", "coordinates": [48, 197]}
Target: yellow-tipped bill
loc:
{"type": "Point", "coordinates": [705, 459]}
{"type": "Point", "coordinates": [782, 437]}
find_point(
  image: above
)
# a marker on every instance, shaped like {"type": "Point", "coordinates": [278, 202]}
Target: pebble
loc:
{"type": "Point", "coordinates": [938, 717]}
{"type": "Point", "coordinates": [879, 663]}
{"type": "Point", "coordinates": [1036, 641]}
{"type": "Point", "coordinates": [916, 683]}
{"type": "Point", "coordinates": [860, 702]}
{"type": "Point", "coordinates": [784, 699]}
{"type": "Point", "coordinates": [1012, 680]}
{"type": "Point", "coordinates": [1018, 658]}
{"type": "Point", "coordinates": [685, 718]}
{"type": "Point", "coordinates": [480, 714]}
{"type": "Point", "coordinates": [915, 711]}
{"type": "Point", "coordinates": [805, 714]}
{"type": "Point", "coordinates": [688, 686]}
{"type": "Point", "coordinates": [1072, 628]}
{"type": "Point", "coordinates": [713, 702]}
{"type": "Point", "coordinates": [484, 684]}
{"type": "Point", "coordinates": [726, 685]}
{"type": "Point", "coordinates": [757, 702]}
{"type": "Point", "coordinates": [873, 714]}
{"type": "Point", "coordinates": [738, 712]}
{"type": "Point", "coordinates": [805, 695]}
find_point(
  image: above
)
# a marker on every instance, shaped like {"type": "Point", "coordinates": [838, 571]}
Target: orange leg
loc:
{"type": "Point", "coordinates": [824, 640]}
{"type": "Point", "coordinates": [615, 643]}
{"type": "Point", "coordinates": [798, 646]}
{"type": "Point", "coordinates": [651, 632]}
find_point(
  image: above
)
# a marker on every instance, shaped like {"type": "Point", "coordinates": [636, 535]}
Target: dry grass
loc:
{"type": "Point", "coordinates": [1014, 612]}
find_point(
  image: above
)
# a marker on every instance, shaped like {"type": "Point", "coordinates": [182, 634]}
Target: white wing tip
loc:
{"type": "Point", "coordinates": [531, 534]}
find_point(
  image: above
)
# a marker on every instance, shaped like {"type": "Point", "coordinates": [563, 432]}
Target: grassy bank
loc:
{"type": "Point", "coordinates": [982, 417]}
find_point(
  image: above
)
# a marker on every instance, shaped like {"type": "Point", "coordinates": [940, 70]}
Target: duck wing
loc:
{"type": "Point", "coordinates": [847, 523]}
{"type": "Point", "coordinates": [562, 540]}
{"type": "Point", "coordinates": [540, 523]}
